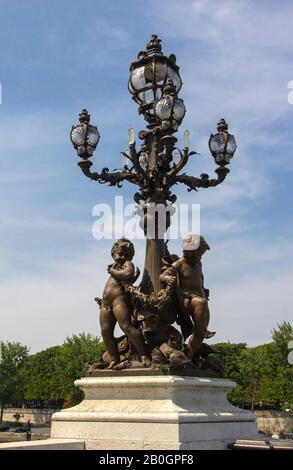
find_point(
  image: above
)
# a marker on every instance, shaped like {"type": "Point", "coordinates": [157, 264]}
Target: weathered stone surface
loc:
{"type": "Point", "coordinates": [154, 412]}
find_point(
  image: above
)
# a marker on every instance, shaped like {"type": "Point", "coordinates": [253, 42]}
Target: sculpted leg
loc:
{"type": "Point", "coordinates": [201, 316]}
{"type": "Point", "coordinates": [121, 313]}
{"type": "Point", "coordinates": [108, 322]}
{"type": "Point", "coordinates": [201, 313]}
{"type": "Point", "coordinates": [184, 320]}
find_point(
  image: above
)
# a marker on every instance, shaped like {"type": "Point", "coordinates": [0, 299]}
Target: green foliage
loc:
{"type": "Point", "coordinates": [13, 356]}
{"type": "Point", "coordinates": [250, 373]}
{"type": "Point", "coordinates": [40, 375]}
{"type": "Point", "coordinates": [276, 382]}
{"type": "Point", "coordinates": [75, 353]}
{"type": "Point", "coordinates": [281, 337]}
{"type": "Point", "coordinates": [50, 374]}
{"type": "Point", "coordinates": [230, 354]}
{"type": "Point", "coordinates": [262, 373]}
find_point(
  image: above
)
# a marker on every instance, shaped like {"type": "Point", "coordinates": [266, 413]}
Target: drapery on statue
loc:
{"type": "Point", "coordinates": [147, 320]}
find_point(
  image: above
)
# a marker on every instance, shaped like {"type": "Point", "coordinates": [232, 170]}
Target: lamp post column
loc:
{"type": "Point", "coordinates": [155, 243]}
{"type": "Point", "coordinates": [155, 249]}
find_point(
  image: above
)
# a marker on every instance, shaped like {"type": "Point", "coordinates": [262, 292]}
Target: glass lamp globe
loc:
{"type": "Point", "coordinates": [78, 135]}
{"type": "Point", "coordinates": [146, 82]}
{"type": "Point", "coordinates": [93, 136]}
{"type": "Point", "coordinates": [170, 110]}
{"type": "Point", "coordinates": [164, 108]}
{"type": "Point", "coordinates": [84, 136]}
{"type": "Point", "coordinates": [222, 145]}
{"type": "Point", "coordinates": [149, 74]}
{"type": "Point", "coordinates": [179, 110]}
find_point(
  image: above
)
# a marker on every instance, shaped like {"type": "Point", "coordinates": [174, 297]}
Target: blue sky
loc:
{"type": "Point", "coordinates": [236, 60]}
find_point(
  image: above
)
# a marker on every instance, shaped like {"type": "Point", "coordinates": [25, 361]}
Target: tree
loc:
{"type": "Point", "coordinates": [75, 353]}
{"type": "Point", "coordinates": [263, 373]}
{"type": "Point", "coordinates": [250, 372]}
{"type": "Point", "coordinates": [282, 335]}
{"type": "Point", "coordinates": [50, 374]}
{"type": "Point", "coordinates": [40, 375]}
{"type": "Point", "coordinates": [230, 354]}
{"type": "Point", "coordinates": [12, 358]}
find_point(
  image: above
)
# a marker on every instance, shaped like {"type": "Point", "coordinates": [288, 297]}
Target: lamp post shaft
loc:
{"type": "Point", "coordinates": [155, 250]}
{"type": "Point", "coordinates": [155, 246]}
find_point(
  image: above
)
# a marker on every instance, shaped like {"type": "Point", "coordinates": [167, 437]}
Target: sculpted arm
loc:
{"type": "Point", "coordinates": [123, 274]}
{"type": "Point", "coordinates": [177, 265]}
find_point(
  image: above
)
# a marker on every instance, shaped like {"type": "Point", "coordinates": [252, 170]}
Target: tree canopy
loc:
{"type": "Point", "coordinates": [262, 373]}
{"type": "Point", "coordinates": [12, 359]}
{"type": "Point", "coordinates": [50, 374]}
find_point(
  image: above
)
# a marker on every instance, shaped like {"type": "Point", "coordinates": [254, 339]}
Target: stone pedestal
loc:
{"type": "Point", "coordinates": [153, 412]}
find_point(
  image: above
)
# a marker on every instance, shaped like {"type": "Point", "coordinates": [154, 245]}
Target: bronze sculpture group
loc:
{"type": "Point", "coordinates": [147, 320]}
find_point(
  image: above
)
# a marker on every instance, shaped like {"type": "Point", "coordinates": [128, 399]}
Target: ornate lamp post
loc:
{"type": "Point", "coordinates": [164, 402]}
{"type": "Point", "coordinates": [154, 83]}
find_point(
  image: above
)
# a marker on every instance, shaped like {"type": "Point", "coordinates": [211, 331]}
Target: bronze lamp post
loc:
{"type": "Point", "coordinates": [154, 84]}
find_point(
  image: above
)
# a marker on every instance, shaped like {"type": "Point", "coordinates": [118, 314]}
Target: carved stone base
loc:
{"type": "Point", "coordinates": [154, 412]}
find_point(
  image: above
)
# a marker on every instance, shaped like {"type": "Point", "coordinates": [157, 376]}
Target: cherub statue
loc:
{"type": "Point", "coordinates": [192, 296]}
{"type": "Point", "coordinates": [115, 305]}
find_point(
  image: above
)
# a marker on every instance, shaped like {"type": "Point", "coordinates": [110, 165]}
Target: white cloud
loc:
{"type": "Point", "coordinates": [235, 59]}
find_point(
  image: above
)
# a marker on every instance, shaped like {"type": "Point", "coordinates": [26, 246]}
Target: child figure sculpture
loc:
{"type": "Point", "coordinates": [115, 305]}
{"type": "Point", "coordinates": [193, 297]}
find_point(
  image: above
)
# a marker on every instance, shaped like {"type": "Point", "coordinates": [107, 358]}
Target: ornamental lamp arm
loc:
{"type": "Point", "coordinates": [204, 181]}
{"type": "Point", "coordinates": [114, 178]}
{"type": "Point", "coordinates": [184, 157]}
{"type": "Point", "coordinates": [85, 166]}
{"type": "Point", "coordinates": [178, 166]}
